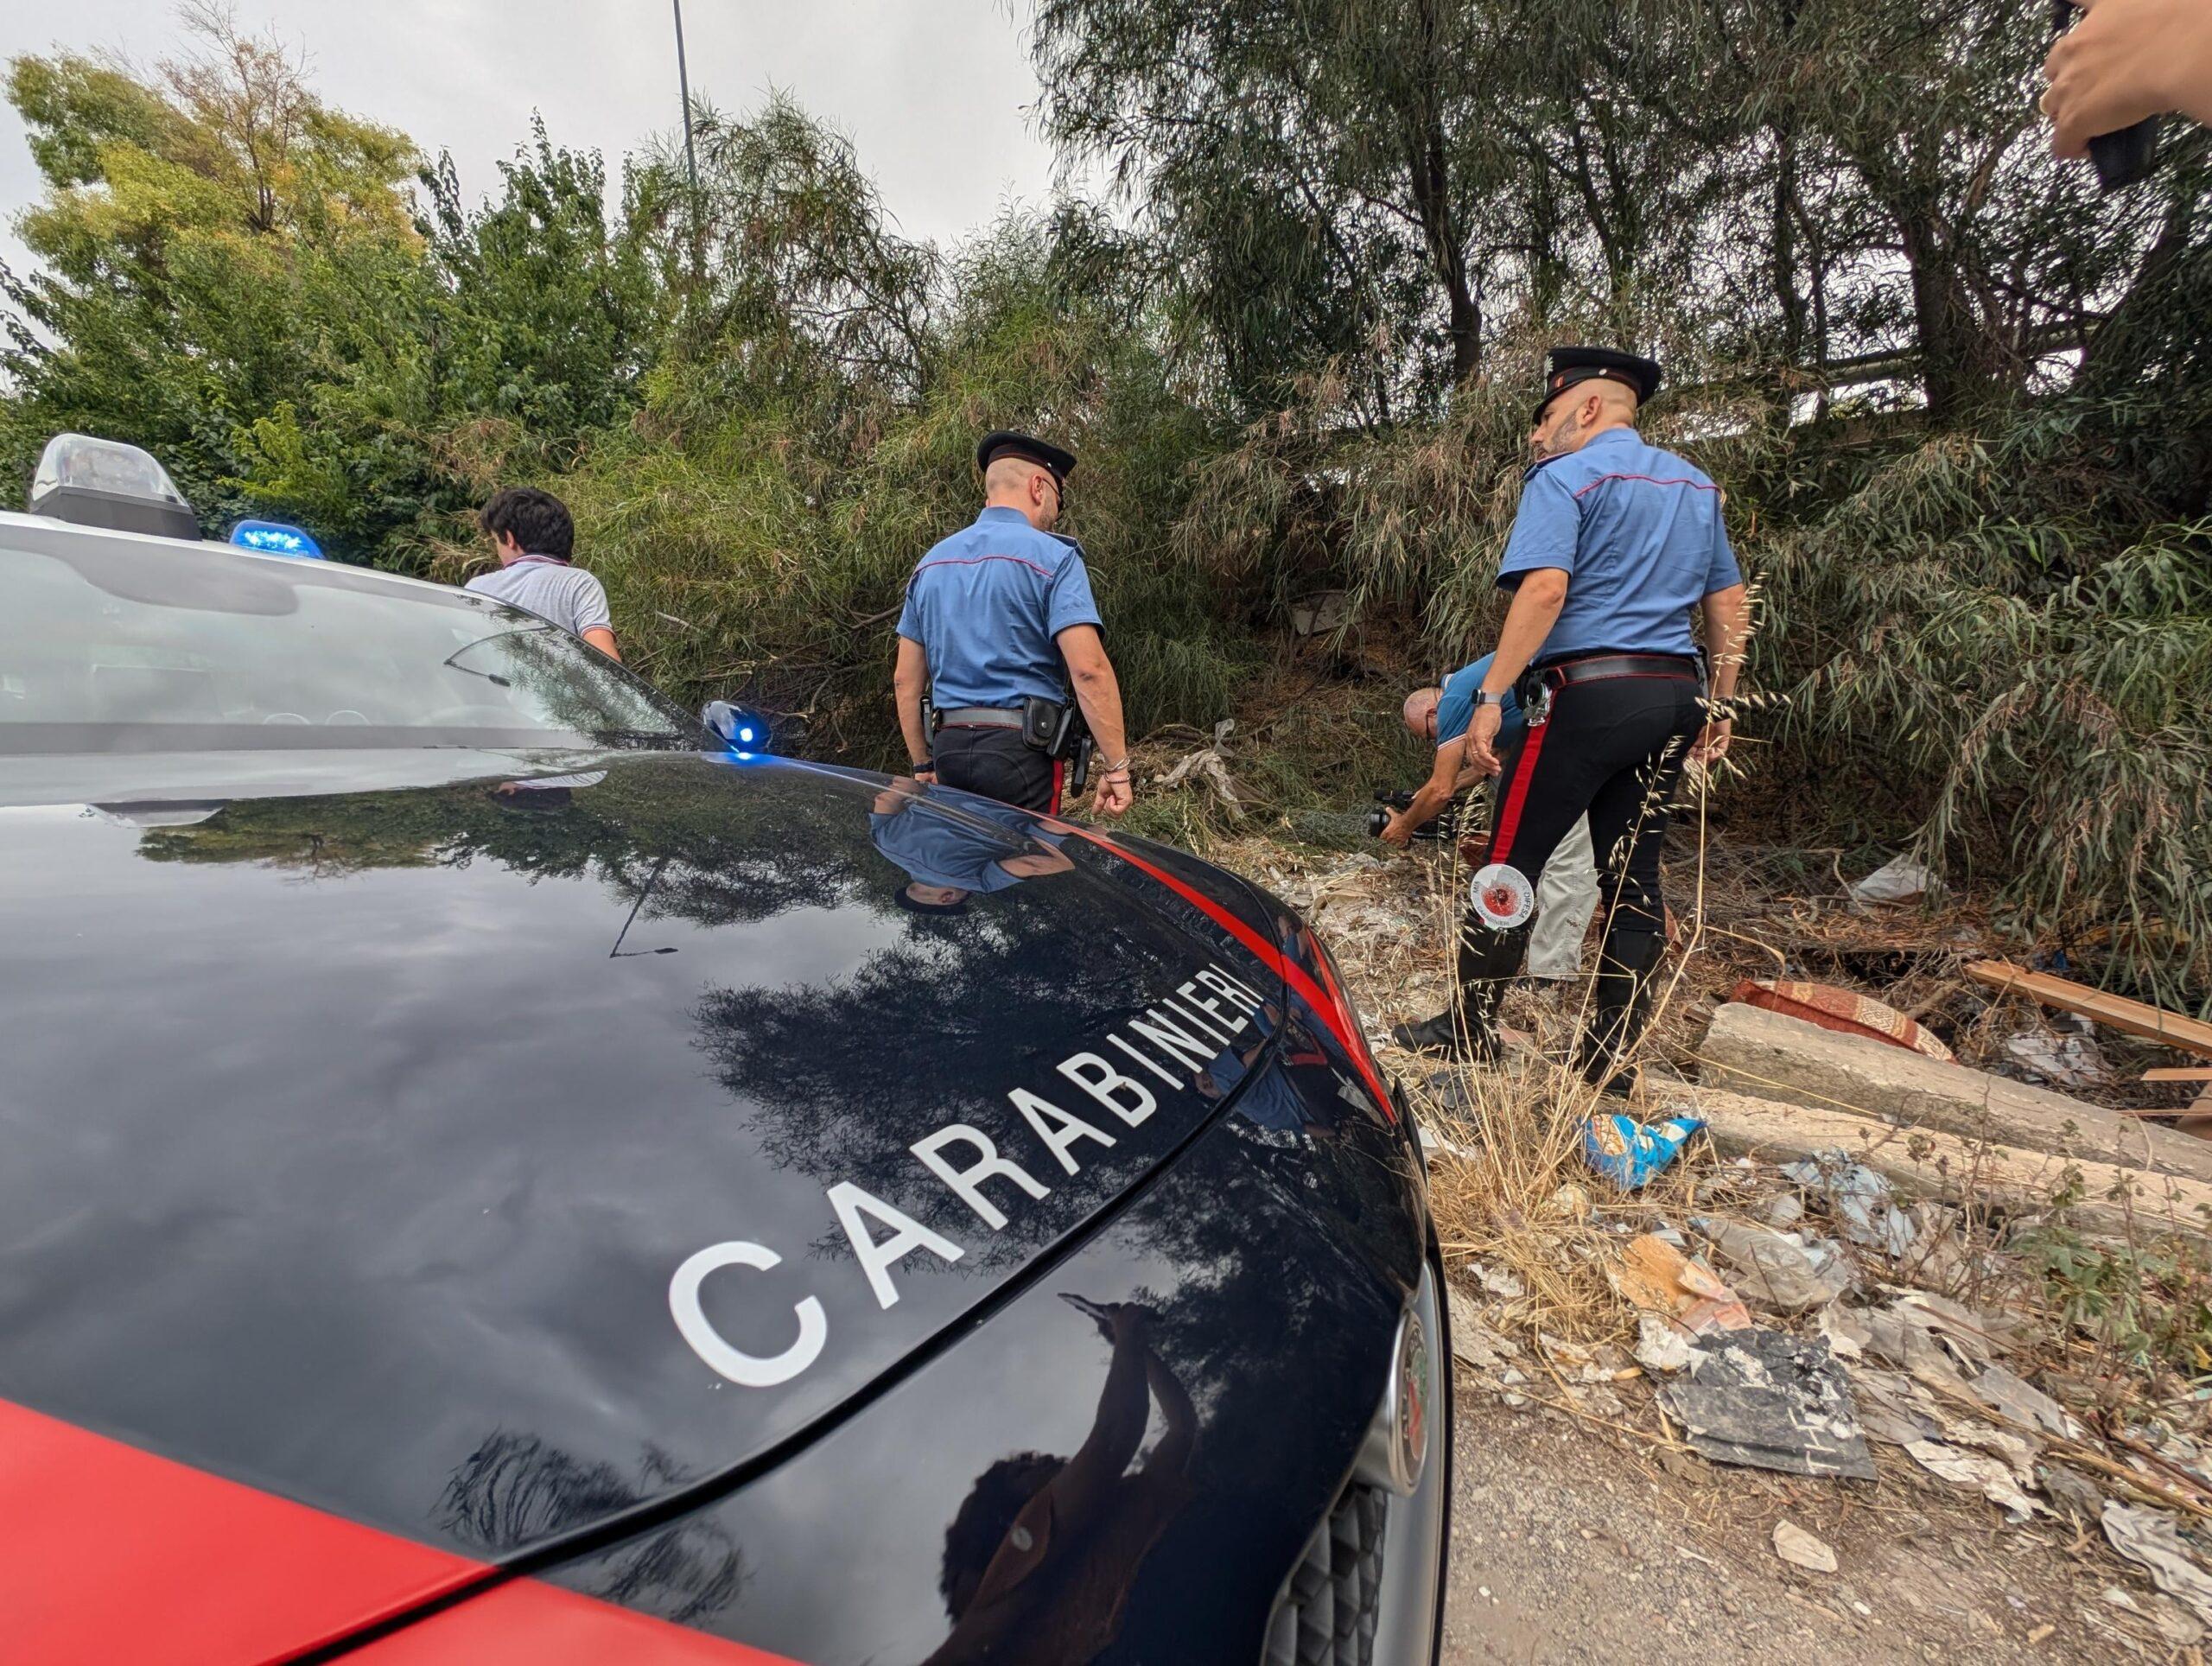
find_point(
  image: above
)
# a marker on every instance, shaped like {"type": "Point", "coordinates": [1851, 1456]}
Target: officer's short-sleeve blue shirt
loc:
{"type": "Point", "coordinates": [986, 605]}
{"type": "Point", "coordinates": [1457, 709]}
{"type": "Point", "coordinates": [1637, 531]}
{"type": "Point", "coordinates": [937, 848]}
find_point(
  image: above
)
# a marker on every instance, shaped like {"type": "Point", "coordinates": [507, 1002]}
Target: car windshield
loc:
{"type": "Point", "coordinates": [115, 645]}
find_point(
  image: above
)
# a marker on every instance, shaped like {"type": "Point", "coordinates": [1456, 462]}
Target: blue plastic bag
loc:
{"type": "Point", "coordinates": [1628, 1153]}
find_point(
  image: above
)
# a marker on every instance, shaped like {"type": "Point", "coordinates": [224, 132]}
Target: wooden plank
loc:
{"type": "Point", "coordinates": [2133, 1017]}
{"type": "Point", "coordinates": [1922, 1163]}
{"type": "Point", "coordinates": [2178, 1075]}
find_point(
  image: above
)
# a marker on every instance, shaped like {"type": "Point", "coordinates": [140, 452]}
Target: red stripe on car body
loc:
{"type": "Point", "coordinates": [113, 1553]}
{"type": "Point", "coordinates": [1302, 985]}
{"type": "Point", "coordinates": [527, 1623]}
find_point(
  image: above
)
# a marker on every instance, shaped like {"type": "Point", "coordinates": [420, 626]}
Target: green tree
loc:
{"type": "Point", "coordinates": [213, 237]}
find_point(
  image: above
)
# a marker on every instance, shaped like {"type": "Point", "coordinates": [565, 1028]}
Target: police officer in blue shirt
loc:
{"type": "Point", "coordinates": [951, 856]}
{"type": "Point", "coordinates": [999, 617]}
{"type": "Point", "coordinates": [1615, 545]}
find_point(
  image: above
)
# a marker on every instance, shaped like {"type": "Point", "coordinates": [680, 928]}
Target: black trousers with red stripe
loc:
{"type": "Point", "coordinates": [1612, 749]}
{"type": "Point", "coordinates": [999, 764]}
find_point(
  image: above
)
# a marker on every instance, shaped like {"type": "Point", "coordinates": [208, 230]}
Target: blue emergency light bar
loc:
{"type": "Point", "coordinates": [742, 731]}
{"type": "Point", "coordinates": [275, 538]}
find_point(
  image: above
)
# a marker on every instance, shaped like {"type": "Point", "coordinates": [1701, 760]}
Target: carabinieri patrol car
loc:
{"type": "Point", "coordinates": [494, 1169]}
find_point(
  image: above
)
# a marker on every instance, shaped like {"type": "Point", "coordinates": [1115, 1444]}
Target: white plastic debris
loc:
{"type": "Point", "coordinates": [1661, 1347]}
{"type": "Point", "coordinates": [1777, 1270]}
{"type": "Point", "coordinates": [2070, 1062]}
{"type": "Point", "coordinates": [2149, 1537]}
{"type": "Point", "coordinates": [1800, 1549]}
{"type": "Point", "coordinates": [1499, 1281]}
{"type": "Point", "coordinates": [1991, 1477]}
{"type": "Point", "coordinates": [1859, 1198]}
{"type": "Point", "coordinates": [1900, 879]}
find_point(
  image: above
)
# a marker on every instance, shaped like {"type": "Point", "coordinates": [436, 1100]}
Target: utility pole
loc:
{"type": "Point", "coordinates": [691, 155]}
{"type": "Point", "coordinates": [683, 86]}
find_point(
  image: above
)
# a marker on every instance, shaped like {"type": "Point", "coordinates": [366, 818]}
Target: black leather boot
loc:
{"type": "Point", "coordinates": [1487, 961]}
{"type": "Point", "coordinates": [1627, 967]}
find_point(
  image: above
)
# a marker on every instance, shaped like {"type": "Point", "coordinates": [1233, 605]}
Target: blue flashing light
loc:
{"type": "Point", "coordinates": [275, 538]}
{"type": "Point", "coordinates": [740, 731]}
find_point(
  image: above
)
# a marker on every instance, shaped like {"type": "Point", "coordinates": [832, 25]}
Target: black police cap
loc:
{"type": "Point", "coordinates": [1002, 443]}
{"type": "Point", "coordinates": [1573, 365]}
{"type": "Point", "coordinates": [914, 904]}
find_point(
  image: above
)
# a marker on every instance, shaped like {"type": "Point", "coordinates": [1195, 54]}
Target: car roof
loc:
{"type": "Point", "coordinates": [48, 527]}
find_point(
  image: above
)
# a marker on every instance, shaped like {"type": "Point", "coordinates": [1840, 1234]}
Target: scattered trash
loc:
{"type": "Point", "coordinates": [1968, 1334]}
{"type": "Point", "coordinates": [1845, 1011]}
{"type": "Point", "coordinates": [1206, 764]}
{"type": "Point", "coordinates": [1449, 1090]}
{"type": "Point", "coordinates": [1661, 1347]}
{"type": "Point", "coordinates": [2016, 1452]}
{"type": "Point", "coordinates": [1473, 1342]}
{"type": "Point", "coordinates": [1893, 1408]}
{"type": "Point", "coordinates": [1770, 1401]}
{"type": "Point", "coordinates": [1656, 1276]}
{"type": "Point", "coordinates": [1776, 1269]}
{"type": "Point", "coordinates": [1839, 1335]}
{"type": "Point", "coordinates": [2071, 1063]}
{"type": "Point", "coordinates": [1992, 1477]}
{"type": "Point", "coordinates": [1430, 1141]}
{"type": "Point", "coordinates": [1785, 1211]}
{"type": "Point", "coordinates": [1800, 1549]}
{"type": "Point", "coordinates": [1498, 1280]}
{"type": "Point", "coordinates": [1881, 1334]}
{"type": "Point", "coordinates": [1859, 1199]}
{"type": "Point", "coordinates": [1320, 612]}
{"type": "Point", "coordinates": [1899, 879]}
{"type": "Point", "coordinates": [1628, 1153]}
{"type": "Point", "coordinates": [2022, 1401]}
{"type": "Point", "coordinates": [2148, 1538]}
{"type": "Point", "coordinates": [2075, 1493]}
{"type": "Point", "coordinates": [1572, 1202]}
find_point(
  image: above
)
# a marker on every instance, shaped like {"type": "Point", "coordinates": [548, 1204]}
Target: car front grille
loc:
{"type": "Point", "coordinates": [1327, 1613]}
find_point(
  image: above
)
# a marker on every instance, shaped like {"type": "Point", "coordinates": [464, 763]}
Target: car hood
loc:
{"type": "Point", "coordinates": [355, 1137]}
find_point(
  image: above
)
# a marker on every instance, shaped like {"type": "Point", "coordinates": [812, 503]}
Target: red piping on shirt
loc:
{"type": "Point", "coordinates": [973, 561]}
{"type": "Point", "coordinates": [1652, 480]}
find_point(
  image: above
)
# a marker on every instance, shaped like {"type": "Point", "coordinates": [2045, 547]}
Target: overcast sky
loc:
{"type": "Point", "coordinates": [937, 95]}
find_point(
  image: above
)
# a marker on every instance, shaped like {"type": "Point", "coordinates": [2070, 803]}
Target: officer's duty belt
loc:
{"type": "Point", "coordinates": [1600, 668]}
{"type": "Point", "coordinates": [979, 717]}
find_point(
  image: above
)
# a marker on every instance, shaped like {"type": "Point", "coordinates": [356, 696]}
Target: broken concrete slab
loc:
{"type": "Point", "coordinates": [1774, 1057]}
{"type": "Point", "coordinates": [1926, 1164]}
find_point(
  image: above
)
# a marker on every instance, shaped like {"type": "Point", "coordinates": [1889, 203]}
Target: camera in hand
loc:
{"type": "Point", "coordinates": [1444, 826]}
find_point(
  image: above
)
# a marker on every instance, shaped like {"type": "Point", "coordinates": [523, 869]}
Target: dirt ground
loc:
{"type": "Point", "coordinates": [1567, 1545]}
{"type": "Point", "coordinates": [1595, 1536]}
